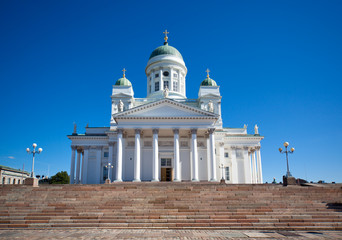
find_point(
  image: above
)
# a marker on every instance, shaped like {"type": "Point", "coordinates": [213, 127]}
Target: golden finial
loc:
{"type": "Point", "coordinates": [207, 72]}
{"type": "Point", "coordinates": [166, 33]}
{"type": "Point", "coordinates": [124, 75]}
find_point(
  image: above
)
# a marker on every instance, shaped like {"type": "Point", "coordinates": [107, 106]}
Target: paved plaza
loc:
{"type": "Point", "coordinates": [165, 234]}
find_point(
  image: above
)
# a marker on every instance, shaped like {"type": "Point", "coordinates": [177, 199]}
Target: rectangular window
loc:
{"type": "Point", "coordinates": [227, 173]}
{"type": "Point", "coordinates": [166, 84]}
{"type": "Point", "coordinates": [226, 155]}
{"type": "Point", "coordinates": [150, 88]}
{"type": "Point", "coordinates": [105, 173]}
{"type": "Point", "coordinates": [165, 162]}
{"type": "Point", "coordinates": [105, 154]}
{"type": "Point", "coordinates": [157, 75]}
{"type": "Point", "coordinates": [175, 75]}
{"type": "Point", "coordinates": [156, 86]}
{"type": "Point", "coordinates": [175, 86]}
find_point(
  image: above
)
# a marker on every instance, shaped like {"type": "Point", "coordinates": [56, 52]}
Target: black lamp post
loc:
{"type": "Point", "coordinates": [286, 144]}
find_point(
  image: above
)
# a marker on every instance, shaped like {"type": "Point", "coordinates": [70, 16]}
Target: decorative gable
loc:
{"type": "Point", "coordinates": [165, 109]}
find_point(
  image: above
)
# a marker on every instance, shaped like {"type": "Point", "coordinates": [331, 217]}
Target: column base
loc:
{"type": "Point", "coordinates": [32, 182]}
{"type": "Point", "coordinates": [155, 180]}
{"type": "Point", "coordinates": [222, 181]}
{"type": "Point", "coordinates": [136, 180]}
{"type": "Point", "coordinates": [213, 180]}
{"type": "Point", "coordinates": [118, 180]}
{"type": "Point", "coordinates": [194, 180]}
{"type": "Point", "coordinates": [108, 181]}
{"type": "Point", "coordinates": [176, 180]}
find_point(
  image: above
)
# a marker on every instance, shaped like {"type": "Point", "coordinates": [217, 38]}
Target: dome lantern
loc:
{"type": "Point", "coordinates": [208, 81]}
{"type": "Point", "coordinates": [123, 81]}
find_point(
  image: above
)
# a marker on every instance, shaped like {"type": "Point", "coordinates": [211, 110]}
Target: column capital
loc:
{"type": "Point", "coordinates": [79, 150]}
{"type": "Point", "coordinates": [193, 131]}
{"type": "Point", "coordinates": [251, 149]}
{"type": "Point", "coordinates": [111, 143]}
{"type": "Point", "coordinates": [245, 148]}
{"type": "Point", "coordinates": [221, 144]}
{"type": "Point", "coordinates": [233, 147]}
{"type": "Point", "coordinates": [257, 148]}
{"type": "Point", "coordinates": [86, 147]}
{"type": "Point", "coordinates": [73, 148]}
{"type": "Point", "coordinates": [155, 130]}
{"type": "Point", "coordinates": [211, 130]}
{"type": "Point", "coordinates": [99, 147]}
{"type": "Point", "coordinates": [137, 131]}
{"type": "Point", "coordinates": [176, 130]}
{"type": "Point", "coordinates": [119, 130]}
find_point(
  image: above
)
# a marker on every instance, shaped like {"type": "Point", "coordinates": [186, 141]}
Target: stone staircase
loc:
{"type": "Point", "coordinates": [172, 205]}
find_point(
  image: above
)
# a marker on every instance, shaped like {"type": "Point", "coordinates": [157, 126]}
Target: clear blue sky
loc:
{"type": "Point", "coordinates": [279, 65]}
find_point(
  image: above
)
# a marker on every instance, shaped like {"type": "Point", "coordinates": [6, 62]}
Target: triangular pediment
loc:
{"type": "Point", "coordinates": [165, 108]}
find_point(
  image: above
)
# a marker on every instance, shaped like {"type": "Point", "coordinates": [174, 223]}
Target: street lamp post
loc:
{"type": "Point", "coordinates": [34, 152]}
{"type": "Point", "coordinates": [286, 144]}
{"type": "Point", "coordinates": [108, 166]}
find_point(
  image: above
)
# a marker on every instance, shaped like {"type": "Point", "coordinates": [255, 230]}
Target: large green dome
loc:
{"type": "Point", "coordinates": [123, 82]}
{"type": "Point", "coordinates": [166, 50]}
{"type": "Point", "coordinates": [208, 82]}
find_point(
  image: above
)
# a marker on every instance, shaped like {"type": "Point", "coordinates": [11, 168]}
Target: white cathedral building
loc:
{"type": "Point", "coordinates": [165, 136]}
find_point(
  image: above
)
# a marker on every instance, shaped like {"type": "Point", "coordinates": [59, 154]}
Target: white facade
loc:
{"type": "Point", "coordinates": [166, 136]}
{"type": "Point", "coordinates": [12, 176]}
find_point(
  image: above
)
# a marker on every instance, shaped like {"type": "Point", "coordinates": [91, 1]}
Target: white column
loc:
{"type": "Point", "coordinates": [222, 158]}
{"type": "Point", "coordinates": [171, 80]}
{"type": "Point", "coordinates": [137, 163]}
{"type": "Point", "coordinates": [194, 155]}
{"type": "Point", "coordinates": [72, 167]}
{"type": "Point", "coordinates": [152, 82]}
{"type": "Point", "coordinates": [155, 177]}
{"type": "Point", "coordinates": [110, 156]}
{"type": "Point", "coordinates": [254, 173]}
{"type": "Point", "coordinates": [85, 165]}
{"type": "Point", "coordinates": [258, 156]}
{"type": "Point", "coordinates": [247, 165]}
{"type": "Point", "coordinates": [234, 170]}
{"type": "Point", "coordinates": [78, 165]}
{"type": "Point", "coordinates": [177, 176]}
{"type": "Point", "coordinates": [119, 157]}
{"type": "Point", "coordinates": [161, 83]}
{"type": "Point", "coordinates": [212, 155]}
{"type": "Point", "coordinates": [98, 164]}
{"type": "Point", "coordinates": [208, 158]}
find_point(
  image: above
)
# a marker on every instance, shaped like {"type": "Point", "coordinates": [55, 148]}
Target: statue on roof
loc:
{"type": "Point", "coordinates": [256, 129]}
{"type": "Point", "coordinates": [166, 92]}
{"type": "Point", "coordinates": [121, 106]}
{"type": "Point", "coordinates": [75, 129]}
{"type": "Point", "coordinates": [210, 106]}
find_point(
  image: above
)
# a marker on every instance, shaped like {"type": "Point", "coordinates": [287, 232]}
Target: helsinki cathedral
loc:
{"type": "Point", "coordinates": [165, 136]}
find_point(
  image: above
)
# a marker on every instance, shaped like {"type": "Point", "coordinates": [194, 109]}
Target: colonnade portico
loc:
{"type": "Point", "coordinates": [255, 160]}
{"type": "Point", "coordinates": [155, 155]}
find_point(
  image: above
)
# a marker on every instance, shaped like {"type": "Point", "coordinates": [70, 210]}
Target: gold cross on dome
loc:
{"type": "Point", "coordinates": [166, 33]}
{"type": "Point", "coordinates": [208, 71]}
{"type": "Point", "coordinates": [124, 70]}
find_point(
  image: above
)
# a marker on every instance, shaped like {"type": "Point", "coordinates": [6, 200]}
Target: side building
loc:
{"type": "Point", "coordinates": [166, 136]}
{"type": "Point", "coordinates": [12, 176]}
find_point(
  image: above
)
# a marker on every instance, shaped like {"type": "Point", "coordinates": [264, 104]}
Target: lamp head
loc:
{"type": "Point", "coordinates": [280, 150]}
{"type": "Point", "coordinates": [286, 144]}
{"type": "Point", "coordinates": [40, 150]}
{"type": "Point", "coordinates": [27, 150]}
{"type": "Point", "coordinates": [34, 145]}
{"type": "Point", "coordinates": [292, 149]}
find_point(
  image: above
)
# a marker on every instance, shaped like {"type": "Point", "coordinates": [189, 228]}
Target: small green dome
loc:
{"type": "Point", "coordinates": [208, 82]}
{"type": "Point", "coordinates": [123, 82]}
{"type": "Point", "coordinates": [166, 50]}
